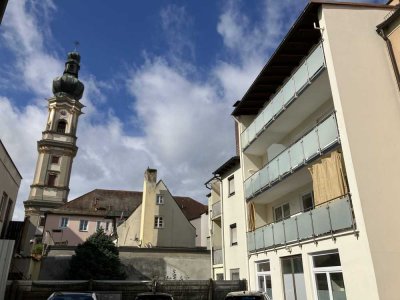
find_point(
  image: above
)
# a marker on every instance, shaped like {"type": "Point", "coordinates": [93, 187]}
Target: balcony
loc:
{"type": "Point", "coordinates": [216, 210]}
{"type": "Point", "coordinates": [328, 218]}
{"type": "Point", "coordinates": [305, 74]}
{"type": "Point", "coordinates": [217, 256]}
{"type": "Point", "coordinates": [315, 143]}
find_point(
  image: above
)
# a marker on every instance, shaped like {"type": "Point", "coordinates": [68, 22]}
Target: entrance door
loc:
{"type": "Point", "coordinates": [293, 278]}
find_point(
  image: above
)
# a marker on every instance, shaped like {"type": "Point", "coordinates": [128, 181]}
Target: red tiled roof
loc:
{"type": "Point", "coordinates": [114, 203]}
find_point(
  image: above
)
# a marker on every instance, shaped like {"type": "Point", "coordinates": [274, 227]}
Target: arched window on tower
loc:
{"type": "Point", "coordinates": [61, 126]}
{"type": "Point", "coordinates": [51, 179]}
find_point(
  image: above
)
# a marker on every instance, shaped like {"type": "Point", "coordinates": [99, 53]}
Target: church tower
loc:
{"type": "Point", "coordinates": [57, 149]}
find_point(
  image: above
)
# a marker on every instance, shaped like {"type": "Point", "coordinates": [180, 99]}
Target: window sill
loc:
{"type": "Point", "coordinates": [83, 230]}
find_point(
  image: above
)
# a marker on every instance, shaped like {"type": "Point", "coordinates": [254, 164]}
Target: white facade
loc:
{"type": "Point", "coordinates": [10, 180]}
{"type": "Point", "coordinates": [228, 223]}
{"type": "Point", "coordinates": [319, 173]}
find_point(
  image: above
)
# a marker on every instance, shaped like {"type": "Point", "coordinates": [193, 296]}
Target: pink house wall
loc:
{"type": "Point", "coordinates": [71, 233]}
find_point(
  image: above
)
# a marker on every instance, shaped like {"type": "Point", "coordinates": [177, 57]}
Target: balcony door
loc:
{"type": "Point", "coordinates": [293, 278]}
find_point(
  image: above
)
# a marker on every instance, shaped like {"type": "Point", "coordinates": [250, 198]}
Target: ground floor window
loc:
{"type": "Point", "coordinates": [220, 276]}
{"type": "Point", "coordinates": [293, 278]}
{"type": "Point", "coordinates": [235, 274]}
{"type": "Point", "coordinates": [329, 282]}
{"type": "Point", "coordinates": [263, 273]}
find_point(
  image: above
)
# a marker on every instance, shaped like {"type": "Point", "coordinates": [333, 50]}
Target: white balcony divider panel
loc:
{"type": "Point", "coordinates": [327, 218]}
{"type": "Point", "coordinates": [307, 71]}
{"type": "Point", "coordinates": [216, 209]}
{"type": "Point", "coordinates": [315, 142]}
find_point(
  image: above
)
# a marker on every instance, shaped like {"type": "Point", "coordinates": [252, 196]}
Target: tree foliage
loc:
{"type": "Point", "coordinates": [97, 258]}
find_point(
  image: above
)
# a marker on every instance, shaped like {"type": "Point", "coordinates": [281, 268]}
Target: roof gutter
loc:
{"type": "Point", "coordinates": [382, 33]}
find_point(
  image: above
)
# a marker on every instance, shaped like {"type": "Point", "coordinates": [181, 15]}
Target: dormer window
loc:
{"type": "Point", "coordinates": [61, 126]}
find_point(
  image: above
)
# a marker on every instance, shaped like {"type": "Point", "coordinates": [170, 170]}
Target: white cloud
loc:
{"type": "Point", "coordinates": [188, 130]}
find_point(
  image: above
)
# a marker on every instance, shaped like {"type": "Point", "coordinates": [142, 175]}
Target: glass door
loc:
{"type": "Point", "coordinates": [293, 278]}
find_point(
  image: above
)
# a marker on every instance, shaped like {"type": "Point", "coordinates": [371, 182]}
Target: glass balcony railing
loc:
{"type": "Point", "coordinates": [310, 68]}
{"type": "Point", "coordinates": [216, 210]}
{"type": "Point", "coordinates": [325, 219]}
{"type": "Point", "coordinates": [314, 143]}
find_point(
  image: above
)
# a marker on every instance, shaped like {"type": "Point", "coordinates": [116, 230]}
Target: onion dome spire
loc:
{"type": "Point", "coordinates": [69, 83]}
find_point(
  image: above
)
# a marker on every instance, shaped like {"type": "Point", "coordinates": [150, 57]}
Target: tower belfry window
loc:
{"type": "Point", "coordinates": [51, 181]}
{"type": "Point", "coordinates": [61, 126]}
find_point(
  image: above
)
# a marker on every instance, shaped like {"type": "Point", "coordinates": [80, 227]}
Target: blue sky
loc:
{"type": "Point", "coordinates": [160, 81]}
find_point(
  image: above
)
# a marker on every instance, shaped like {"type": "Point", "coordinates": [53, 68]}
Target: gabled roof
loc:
{"type": "Point", "coordinates": [294, 47]}
{"type": "Point", "coordinates": [117, 203]}
{"type": "Point", "coordinates": [227, 166]}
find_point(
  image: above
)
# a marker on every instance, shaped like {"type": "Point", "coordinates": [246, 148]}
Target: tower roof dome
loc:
{"type": "Point", "coordinates": [69, 83]}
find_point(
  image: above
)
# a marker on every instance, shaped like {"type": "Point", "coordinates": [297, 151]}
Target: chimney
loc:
{"type": "Point", "coordinates": [148, 206]}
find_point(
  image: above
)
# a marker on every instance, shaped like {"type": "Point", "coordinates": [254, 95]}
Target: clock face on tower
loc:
{"type": "Point", "coordinates": [63, 113]}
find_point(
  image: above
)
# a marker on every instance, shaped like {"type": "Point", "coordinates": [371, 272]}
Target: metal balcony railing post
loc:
{"type": "Point", "coordinates": [330, 221]}
{"type": "Point", "coordinates": [312, 226]}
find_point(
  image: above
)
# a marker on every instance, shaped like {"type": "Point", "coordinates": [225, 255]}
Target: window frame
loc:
{"type": "Point", "coordinates": [283, 212]}
{"type": "Point", "coordinates": [42, 221]}
{"type": "Point", "coordinates": [54, 180]}
{"type": "Point", "coordinates": [159, 222]}
{"type": "Point", "coordinates": [55, 159]}
{"type": "Point", "coordinates": [61, 130]}
{"type": "Point", "coordinates": [232, 230]}
{"type": "Point", "coordinates": [325, 270]}
{"type": "Point", "coordinates": [62, 226]}
{"type": "Point", "coordinates": [231, 185]}
{"type": "Point", "coordinates": [98, 225]}
{"type": "Point", "coordinates": [82, 221]}
{"type": "Point", "coordinates": [233, 271]}
{"type": "Point", "coordinates": [159, 199]}
{"type": "Point", "coordinates": [263, 274]}
{"type": "Point", "coordinates": [302, 201]}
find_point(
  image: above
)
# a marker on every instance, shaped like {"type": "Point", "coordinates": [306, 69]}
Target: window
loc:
{"type": "Point", "coordinates": [231, 185]}
{"type": "Point", "coordinates": [83, 225]}
{"type": "Point", "coordinates": [233, 234]}
{"type": "Point", "coordinates": [307, 201]}
{"type": "Point", "coordinates": [158, 222]}
{"type": "Point", "coordinates": [7, 218]}
{"type": "Point", "coordinates": [329, 283]}
{"type": "Point", "coordinates": [64, 222]}
{"type": "Point", "coordinates": [282, 212]}
{"type": "Point", "coordinates": [55, 160]}
{"type": "Point", "coordinates": [98, 225]}
{"type": "Point", "coordinates": [3, 205]}
{"type": "Point", "coordinates": [42, 221]}
{"type": "Point", "coordinates": [293, 278]}
{"type": "Point", "coordinates": [61, 126]}
{"type": "Point", "coordinates": [107, 226]}
{"type": "Point", "coordinates": [220, 276]}
{"type": "Point", "coordinates": [160, 199]}
{"type": "Point", "coordinates": [51, 180]}
{"type": "Point", "coordinates": [235, 274]}
{"type": "Point", "coordinates": [264, 277]}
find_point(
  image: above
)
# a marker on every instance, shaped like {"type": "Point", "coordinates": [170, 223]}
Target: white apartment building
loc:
{"type": "Point", "coordinates": [227, 222]}
{"type": "Point", "coordinates": [319, 142]}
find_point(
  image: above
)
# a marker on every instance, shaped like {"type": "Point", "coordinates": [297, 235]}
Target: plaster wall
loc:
{"type": "Point", "coordinates": [233, 212]}
{"type": "Point", "coordinates": [366, 99]}
{"type": "Point", "coordinates": [10, 181]}
{"type": "Point", "coordinates": [177, 230]}
{"type": "Point", "coordinates": [140, 264]}
{"type": "Point", "coordinates": [71, 233]}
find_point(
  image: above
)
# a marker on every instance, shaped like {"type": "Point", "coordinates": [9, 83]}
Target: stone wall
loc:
{"type": "Point", "coordinates": [140, 263]}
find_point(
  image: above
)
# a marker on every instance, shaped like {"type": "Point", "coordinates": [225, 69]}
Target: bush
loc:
{"type": "Point", "coordinates": [37, 249]}
{"type": "Point", "coordinates": [97, 258]}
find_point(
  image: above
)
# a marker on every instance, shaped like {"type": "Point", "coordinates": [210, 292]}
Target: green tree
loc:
{"type": "Point", "coordinates": [96, 258]}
